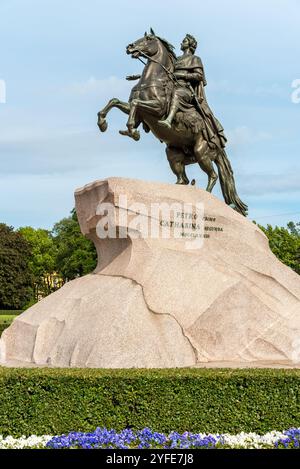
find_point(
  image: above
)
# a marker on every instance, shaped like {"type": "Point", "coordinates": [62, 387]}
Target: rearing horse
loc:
{"type": "Point", "coordinates": [149, 102]}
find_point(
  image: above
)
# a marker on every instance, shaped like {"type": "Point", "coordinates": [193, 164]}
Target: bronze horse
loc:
{"type": "Point", "coordinates": [149, 102]}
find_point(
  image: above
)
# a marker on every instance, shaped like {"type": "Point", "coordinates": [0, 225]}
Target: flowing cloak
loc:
{"type": "Point", "coordinates": [193, 65]}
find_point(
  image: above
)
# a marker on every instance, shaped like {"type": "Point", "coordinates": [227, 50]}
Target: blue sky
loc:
{"type": "Point", "coordinates": [62, 61]}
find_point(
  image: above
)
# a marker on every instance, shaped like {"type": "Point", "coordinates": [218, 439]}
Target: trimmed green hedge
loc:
{"type": "Point", "coordinates": [55, 401]}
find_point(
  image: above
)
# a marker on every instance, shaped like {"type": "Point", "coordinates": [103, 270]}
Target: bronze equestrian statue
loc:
{"type": "Point", "coordinates": [169, 100]}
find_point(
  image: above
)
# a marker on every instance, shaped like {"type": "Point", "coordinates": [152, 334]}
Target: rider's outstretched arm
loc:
{"type": "Point", "coordinates": [133, 77]}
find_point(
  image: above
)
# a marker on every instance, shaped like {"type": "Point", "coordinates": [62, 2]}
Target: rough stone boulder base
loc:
{"type": "Point", "coordinates": [154, 303]}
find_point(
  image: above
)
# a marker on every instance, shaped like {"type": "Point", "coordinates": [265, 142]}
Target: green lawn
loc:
{"type": "Point", "coordinates": [7, 317]}
{"type": "Point", "coordinates": [6, 320]}
{"type": "Point", "coordinates": [10, 312]}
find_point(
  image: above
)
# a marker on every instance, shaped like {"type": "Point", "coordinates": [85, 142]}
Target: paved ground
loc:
{"type": "Point", "coordinates": [212, 365]}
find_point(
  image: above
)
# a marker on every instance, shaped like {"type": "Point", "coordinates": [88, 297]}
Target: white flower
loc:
{"type": "Point", "coordinates": [24, 442]}
{"type": "Point", "coordinates": [242, 440]}
{"type": "Point", "coordinates": [251, 440]}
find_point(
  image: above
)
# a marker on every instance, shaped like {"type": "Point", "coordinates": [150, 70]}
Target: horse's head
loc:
{"type": "Point", "coordinates": [148, 45]}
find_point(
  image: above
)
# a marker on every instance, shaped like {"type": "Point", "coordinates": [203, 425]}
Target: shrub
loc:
{"type": "Point", "coordinates": [55, 401]}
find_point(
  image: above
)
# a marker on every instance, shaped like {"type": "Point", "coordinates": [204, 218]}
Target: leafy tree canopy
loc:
{"type": "Point", "coordinates": [42, 260]}
{"type": "Point", "coordinates": [75, 255]}
{"type": "Point", "coordinates": [285, 243]}
{"type": "Point", "coordinates": [15, 272]}
{"type": "Point", "coordinates": [43, 250]}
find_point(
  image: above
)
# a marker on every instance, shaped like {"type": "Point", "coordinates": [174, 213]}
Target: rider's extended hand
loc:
{"type": "Point", "coordinates": [133, 77]}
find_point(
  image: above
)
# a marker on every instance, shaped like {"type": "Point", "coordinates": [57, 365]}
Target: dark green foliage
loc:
{"type": "Point", "coordinates": [76, 255]}
{"type": "Point", "coordinates": [285, 243]}
{"type": "Point", "coordinates": [15, 274]}
{"type": "Point", "coordinates": [35, 262]}
{"type": "Point", "coordinates": [42, 260]}
{"type": "Point", "coordinates": [55, 401]}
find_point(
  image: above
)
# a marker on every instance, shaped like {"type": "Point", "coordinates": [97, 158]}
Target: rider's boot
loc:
{"type": "Point", "coordinates": [168, 121]}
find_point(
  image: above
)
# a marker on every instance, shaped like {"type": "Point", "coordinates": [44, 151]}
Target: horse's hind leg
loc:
{"type": "Point", "coordinates": [205, 156]}
{"type": "Point", "coordinates": [137, 107]}
{"type": "Point", "coordinates": [114, 102]}
{"type": "Point", "coordinates": [176, 162]}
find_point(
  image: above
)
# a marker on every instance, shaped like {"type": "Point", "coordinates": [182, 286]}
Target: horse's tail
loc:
{"type": "Point", "coordinates": [228, 184]}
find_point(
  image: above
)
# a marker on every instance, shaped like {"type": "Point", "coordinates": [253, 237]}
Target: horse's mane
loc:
{"type": "Point", "coordinates": [169, 48]}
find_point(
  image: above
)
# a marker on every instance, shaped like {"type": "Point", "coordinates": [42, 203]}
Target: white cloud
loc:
{"type": "Point", "coordinates": [296, 94]}
{"type": "Point", "coordinates": [244, 135]}
{"type": "Point", "coordinates": [2, 92]}
{"type": "Point", "coordinates": [274, 90]}
{"type": "Point", "coordinates": [275, 185]}
{"type": "Point", "coordinates": [112, 86]}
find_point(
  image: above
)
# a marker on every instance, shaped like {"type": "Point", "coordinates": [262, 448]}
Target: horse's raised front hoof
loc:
{"type": "Point", "coordinates": [102, 124]}
{"type": "Point", "coordinates": [136, 135]}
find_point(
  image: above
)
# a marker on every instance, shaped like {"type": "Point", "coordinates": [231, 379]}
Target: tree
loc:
{"type": "Point", "coordinates": [15, 273]}
{"type": "Point", "coordinates": [294, 228]}
{"type": "Point", "coordinates": [42, 260]}
{"type": "Point", "coordinates": [285, 243]}
{"type": "Point", "coordinates": [75, 255]}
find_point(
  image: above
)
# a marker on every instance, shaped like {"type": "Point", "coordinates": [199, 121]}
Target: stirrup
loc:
{"type": "Point", "coordinates": [165, 123]}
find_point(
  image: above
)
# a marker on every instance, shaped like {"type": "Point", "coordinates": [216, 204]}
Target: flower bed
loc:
{"type": "Point", "coordinates": [102, 438]}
